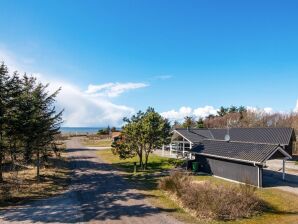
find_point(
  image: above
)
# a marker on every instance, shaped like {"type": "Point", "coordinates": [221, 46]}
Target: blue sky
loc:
{"type": "Point", "coordinates": [177, 56]}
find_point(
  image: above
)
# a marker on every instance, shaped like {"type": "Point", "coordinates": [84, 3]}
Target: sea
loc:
{"type": "Point", "coordinates": [81, 130]}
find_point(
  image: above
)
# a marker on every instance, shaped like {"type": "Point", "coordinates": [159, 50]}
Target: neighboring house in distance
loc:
{"type": "Point", "coordinates": [115, 135]}
{"type": "Point", "coordinates": [237, 154]}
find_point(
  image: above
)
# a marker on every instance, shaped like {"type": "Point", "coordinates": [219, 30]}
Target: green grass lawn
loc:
{"type": "Point", "coordinates": [97, 142]}
{"type": "Point", "coordinates": [155, 164]}
{"type": "Point", "coordinates": [283, 205]}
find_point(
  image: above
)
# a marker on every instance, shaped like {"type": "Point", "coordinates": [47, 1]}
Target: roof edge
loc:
{"type": "Point", "coordinates": [182, 136]}
{"type": "Point", "coordinates": [229, 158]}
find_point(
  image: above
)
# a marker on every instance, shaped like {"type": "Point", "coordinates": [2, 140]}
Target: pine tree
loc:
{"type": "Point", "coordinates": [48, 121]}
{"type": "Point", "coordinates": [13, 121]}
{"type": "Point", "coordinates": [4, 78]}
{"type": "Point", "coordinates": [28, 118]}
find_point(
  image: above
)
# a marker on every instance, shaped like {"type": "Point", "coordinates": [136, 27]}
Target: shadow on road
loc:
{"type": "Point", "coordinates": [274, 179]}
{"type": "Point", "coordinates": [95, 193]}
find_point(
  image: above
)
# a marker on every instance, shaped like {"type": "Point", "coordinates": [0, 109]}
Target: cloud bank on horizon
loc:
{"type": "Point", "coordinates": [94, 106]}
{"type": "Point", "coordinates": [202, 112]}
{"type": "Point", "coordinates": [88, 109]}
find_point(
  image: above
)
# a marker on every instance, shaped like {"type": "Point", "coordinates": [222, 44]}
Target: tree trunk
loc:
{"type": "Point", "coordinates": [13, 155]}
{"type": "Point", "coordinates": [1, 155]}
{"type": "Point", "coordinates": [147, 152]}
{"type": "Point", "coordinates": [146, 160]}
{"type": "Point", "coordinates": [27, 154]}
{"type": "Point", "coordinates": [140, 157]}
{"type": "Point", "coordinates": [37, 165]}
{"type": "Point", "coordinates": [1, 167]}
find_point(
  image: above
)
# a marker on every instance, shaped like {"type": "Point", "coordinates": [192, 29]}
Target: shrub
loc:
{"type": "Point", "coordinates": [175, 183]}
{"type": "Point", "coordinates": [210, 201]}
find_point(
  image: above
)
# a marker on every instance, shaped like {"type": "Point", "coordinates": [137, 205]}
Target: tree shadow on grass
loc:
{"type": "Point", "coordinates": [95, 193]}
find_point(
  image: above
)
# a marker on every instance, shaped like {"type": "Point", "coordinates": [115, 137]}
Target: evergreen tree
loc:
{"type": "Point", "coordinates": [222, 111]}
{"type": "Point", "coordinates": [46, 122]}
{"type": "Point", "coordinates": [13, 121]}
{"type": "Point", "coordinates": [189, 122]}
{"type": "Point", "coordinates": [4, 78]}
{"type": "Point", "coordinates": [28, 119]}
{"type": "Point", "coordinates": [200, 123]}
{"type": "Point", "coordinates": [233, 109]}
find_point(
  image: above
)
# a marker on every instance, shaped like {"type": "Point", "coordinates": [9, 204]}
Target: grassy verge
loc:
{"type": "Point", "coordinates": [22, 186]}
{"type": "Point", "coordinates": [283, 205]}
{"type": "Point", "coordinates": [97, 142]}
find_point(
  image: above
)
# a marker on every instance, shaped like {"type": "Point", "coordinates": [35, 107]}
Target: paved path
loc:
{"type": "Point", "coordinates": [276, 164]}
{"type": "Point", "coordinates": [272, 176]}
{"type": "Point", "coordinates": [97, 194]}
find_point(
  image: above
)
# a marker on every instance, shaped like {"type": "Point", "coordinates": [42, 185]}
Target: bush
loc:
{"type": "Point", "coordinates": [210, 201]}
{"type": "Point", "coordinates": [176, 183]}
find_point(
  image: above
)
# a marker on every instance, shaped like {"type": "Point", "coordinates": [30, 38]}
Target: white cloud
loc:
{"type": "Point", "coordinates": [83, 109]}
{"type": "Point", "coordinates": [267, 110]}
{"type": "Point", "coordinates": [90, 107]}
{"type": "Point", "coordinates": [179, 115]}
{"type": "Point", "coordinates": [113, 89]}
{"type": "Point", "coordinates": [296, 108]}
{"type": "Point", "coordinates": [202, 112]}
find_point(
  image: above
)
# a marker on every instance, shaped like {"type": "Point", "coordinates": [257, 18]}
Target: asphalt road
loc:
{"type": "Point", "coordinates": [97, 194]}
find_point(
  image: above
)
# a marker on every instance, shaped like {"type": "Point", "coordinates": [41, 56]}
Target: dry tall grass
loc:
{"type": "Point", "coordinates": [209, 201]}
{"type": "Point", "coordinates": [21, 184]}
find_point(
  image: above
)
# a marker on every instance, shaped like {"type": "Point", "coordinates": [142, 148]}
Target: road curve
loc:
{"type": "Point", "coordinates": [97, 194]}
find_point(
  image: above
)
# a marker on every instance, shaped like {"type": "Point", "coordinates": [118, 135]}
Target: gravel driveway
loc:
{"type": "Point", "coordinates": [272, 176]}
{"type": "Point", "coordinates": [97, 194]}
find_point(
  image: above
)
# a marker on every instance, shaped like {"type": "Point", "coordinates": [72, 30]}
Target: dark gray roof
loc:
{"type": "Point", "coordinates": [195, 135]}
{"type": "Point", "coordinates": [280, 136]}
{"type": "Point", "coordinates": [247, 152]}
{"type": "Point", "coordinates": [257, 135]}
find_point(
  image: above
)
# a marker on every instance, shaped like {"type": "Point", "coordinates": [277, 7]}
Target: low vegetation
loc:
{"type": "Point", "coordinates": [97, 142]}
{"type": "Point", "coordinates": [106, 131]}
{"type": "Point", "coordinates": [141, 134]}
{"type": "Point", "coordinates": [209, 201]}
{"type": "Point", "coordinates": [20, 184]}
{"type": "Point", "coordinates": [281, 207]}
